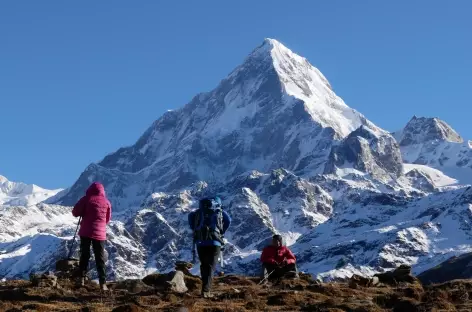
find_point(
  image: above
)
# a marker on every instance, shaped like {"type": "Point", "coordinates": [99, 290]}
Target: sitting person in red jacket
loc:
{"type": "Point", "coordinates": [277, 260]}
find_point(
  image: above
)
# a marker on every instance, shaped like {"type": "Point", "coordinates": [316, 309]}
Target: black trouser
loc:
{"type": "Point", "coordinates": [208, 256]}
{"type": "Point", "coordinates": [99, 252]}
{"type": "Point", "coordinates": [278, 272]}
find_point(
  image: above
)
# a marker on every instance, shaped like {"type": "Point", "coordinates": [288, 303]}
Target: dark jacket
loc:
{"type": "Point", "coordinates": [226, 224]}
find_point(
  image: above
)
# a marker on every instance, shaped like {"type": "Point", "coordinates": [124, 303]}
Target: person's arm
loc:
{"type": "Point", "coordinates": [289, 256]}
{"type": "Point", "coordinates": [266, 256]}
{"type": "Point", "coordinates": [109, 212]}
{"type": "Point", "coordinates": [78, 210]}
{"type": "Point", "coordinates": [226, 221]}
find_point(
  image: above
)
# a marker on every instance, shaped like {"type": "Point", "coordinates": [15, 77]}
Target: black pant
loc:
{"type": "Point", "coordinates": [278, 272]}
{"type": "Point", "coordinates": [99, 252]}
{"type": "Point", "coordinates": [208, 256]}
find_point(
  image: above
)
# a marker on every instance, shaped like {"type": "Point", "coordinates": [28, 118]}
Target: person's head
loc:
{"type": "Point", "coordinates": [95, 188]}
{"type": "Point", "coordinates": [210, 202]}
{"type": "Point", "coordinates": [277, 240]}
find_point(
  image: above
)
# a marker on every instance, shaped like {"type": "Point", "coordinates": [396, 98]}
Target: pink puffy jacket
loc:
{"type": "Point", "coordinates": [95, 210]}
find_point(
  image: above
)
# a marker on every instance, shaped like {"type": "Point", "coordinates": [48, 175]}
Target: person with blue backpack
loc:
{"type": "Point", "coordinates": [209, 224]}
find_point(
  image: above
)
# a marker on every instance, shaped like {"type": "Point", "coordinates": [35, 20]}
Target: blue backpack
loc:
{"type": "Point", "coordinates": [208, 221]}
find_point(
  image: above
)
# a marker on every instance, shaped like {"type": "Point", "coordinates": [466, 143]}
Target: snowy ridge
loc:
{"type": "Point", "coordinates": [432, 142]}
{"type": "Point", "coordinates": [21, 194]}
{"type": "Point", "coordinates": [421, 130]}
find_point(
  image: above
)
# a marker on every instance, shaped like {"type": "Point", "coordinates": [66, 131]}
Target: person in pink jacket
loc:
{"type": "Point", "coordinates": [95, 210]}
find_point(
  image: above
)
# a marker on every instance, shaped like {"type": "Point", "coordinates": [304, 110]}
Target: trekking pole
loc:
{"type": "Point", "coordinates": [221, 257]}
{"type": "Point", "coordinates": [73, 239]}
{"type": "Point", "coordinates": [265, 278]}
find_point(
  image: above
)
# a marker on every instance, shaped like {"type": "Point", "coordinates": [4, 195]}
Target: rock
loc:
{"type": "Point", "coordinates": [44, 280]}
{"type": "Point", "coordinates": [184, 267]}
{"type": "Point", "coordinates": [173, 281]}
{"type": "Point", "coordinates": [133, 286]}
{"type": "Point", "coordinates": [357, 280]}
{"type": "Point", "coordinates": [400, 274]}
{"type": "Point", "coordinates": [370, 151]}
{"type": "Point", "coordinates": [178, 283]}
{"type": "Point", "coordinates": [67, 265]}
{"type": "Point", "coordinates": [183, 264]}
{"type": "Point", "coordinates": [374, 281]}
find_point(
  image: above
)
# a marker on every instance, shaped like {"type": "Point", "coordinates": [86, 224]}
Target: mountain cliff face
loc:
{"type": "Point", "coordinates": [368, 151]}
{"type": "Point", "coordinates": [287, 156]}
{"type": "Point", "coordinates": [422, 130]}
{"type": "Point", "coordinates": [432, 142]}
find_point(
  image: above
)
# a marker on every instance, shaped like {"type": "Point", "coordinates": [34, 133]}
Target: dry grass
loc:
{"type": "Point", "coordinates": [238, 294]}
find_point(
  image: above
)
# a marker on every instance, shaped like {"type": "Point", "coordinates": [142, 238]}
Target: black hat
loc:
{"type": "Point", "coordinates": [277, 237]}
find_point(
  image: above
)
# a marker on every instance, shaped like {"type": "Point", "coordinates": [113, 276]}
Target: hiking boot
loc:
{"type": "Point", "coordinates": [207, 295]}
{"type": "Point", "coordinates": [103, 287]}
{"type": "Point", "coordinates": [80, 282]}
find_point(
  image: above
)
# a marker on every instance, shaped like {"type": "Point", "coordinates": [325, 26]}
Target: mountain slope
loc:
{"type": "Point", "coordinates": [432, 142]}
{"type": "Point", "coordinates": [21, 194]}
{"type": "Point", "coordinates": [275, 110]}
{"type": "Point", "coordinates": [378, 232]}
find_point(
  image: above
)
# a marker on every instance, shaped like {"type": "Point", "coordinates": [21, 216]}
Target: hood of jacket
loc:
{"type": "Point", "coordinates": [95, 189]}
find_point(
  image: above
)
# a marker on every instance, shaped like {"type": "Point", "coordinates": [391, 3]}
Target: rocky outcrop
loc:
{"type": "Point", "coordinates": [421, 130]}
{"type": "Point", "coordinates": [368, 151]}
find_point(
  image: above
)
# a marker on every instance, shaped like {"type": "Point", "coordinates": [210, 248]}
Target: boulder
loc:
{"type": "Point", "coordinates": [402, 274]}
{"type": "Point", "coordinates": [44, 280]}
{"type": "Point", "coordinates": [172, 281]}
{"type": "Point", "coordinates": [184, 267]}
{"type": "Point", "coordinates": [177, 283]}
{"type": "Point", "coordinates": [67, 268]}
{"type": "Point", "coordinates": [357, 280]}
{"type": "Point", "coordinates": [65, 265]}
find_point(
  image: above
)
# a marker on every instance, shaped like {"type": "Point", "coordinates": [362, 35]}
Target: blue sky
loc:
{"type": "Point", "coordinates": [79, 79]}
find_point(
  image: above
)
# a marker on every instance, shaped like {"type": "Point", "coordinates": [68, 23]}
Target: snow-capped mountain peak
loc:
{"type": "Point", "coordinates": [432, 142]}
{"type": "Point", "coordinates": [274, 110]}
{"type": "Point", "coordinates": [300, 80]}
{"type": "Point", "coordinates": [21, 194]}
{"type": "Point", "coordinates": [3, 179]}
{"type": "Point", "coordinates": [421, 130]}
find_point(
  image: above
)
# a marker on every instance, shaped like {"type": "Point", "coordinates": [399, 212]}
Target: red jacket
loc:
{"type": "Point", "coordinates": [272, 254]}
{"type": "Point", "coordinates": [95, 210]}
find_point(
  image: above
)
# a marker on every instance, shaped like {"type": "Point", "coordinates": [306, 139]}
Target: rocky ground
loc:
{"type": "Point", "coordinates": [235, 293]}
